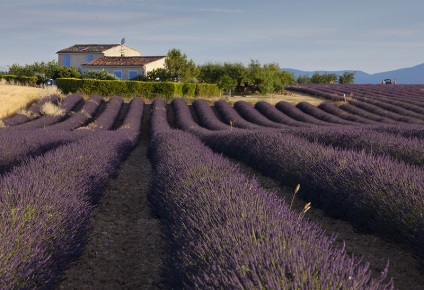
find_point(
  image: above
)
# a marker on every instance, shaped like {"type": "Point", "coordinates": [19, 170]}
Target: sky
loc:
{"type": "Point", "coordinates": [330, 35]}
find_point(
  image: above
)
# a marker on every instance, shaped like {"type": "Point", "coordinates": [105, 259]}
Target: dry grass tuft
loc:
{"type": "Point", "coordinates": [27, 113]}
{"type": "Point", "coordinates": [14, 98]}
{"type": "Point", "coordinates": [51, 109]}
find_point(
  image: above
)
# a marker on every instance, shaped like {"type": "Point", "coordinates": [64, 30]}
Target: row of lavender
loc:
{"type": "Point", "coordinates": [393, 102]}
{"type": "Point", "coordinates": [373, 140]}
{"type": "Point", "coordinates": [408, 93]}
{"type": "Point", "coordinates": [44, 218]}
{"type": "Point", "coordinates": [39, 138]}
{"type": "Point", "coordinates": [224, 230]}
{"type": "Point", "coordinates": [285, 115]}
{"type": "Point", "coordinates": [371, 191]}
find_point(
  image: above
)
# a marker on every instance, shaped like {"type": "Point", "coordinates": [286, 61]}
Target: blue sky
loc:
{"type": "Point", "coordinates": [372, 35]}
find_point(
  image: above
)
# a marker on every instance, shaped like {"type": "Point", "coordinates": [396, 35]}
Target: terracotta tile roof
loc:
{"type": "Point", "coordinates": [87, 48]}
{"type": "Point", "coordinates": [123, 61]}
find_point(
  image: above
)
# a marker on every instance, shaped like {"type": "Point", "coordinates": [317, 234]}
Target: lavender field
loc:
{"type": "Point", "coordinates": [358, 157]}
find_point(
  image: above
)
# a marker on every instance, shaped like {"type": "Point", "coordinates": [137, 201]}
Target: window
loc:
{"type": "Point", "coordinates": [133, 74]}
{"type": "Point", "coordinates": [118, 74]}
{"type": "Point", "coordinates": [67, 60]}
{"type": "Point", "coordinates": [88, 58]}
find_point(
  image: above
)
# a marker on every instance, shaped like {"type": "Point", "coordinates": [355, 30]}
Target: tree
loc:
{"type": "Point", "coordinates": [66, 72]}
{"type": "Point", "coordinates": [227, 83]}
{"type": "Point", "coordinates": [285, 78]}
{"type": "Point", "coordinates": [158, 75]}
{"type": "Point", "coordinates": [254, 74]}
{"type": "Point", "coordinates": [347, 78]}
{"type": "Point", "coordinates": [211, 72]}
{"type": "Point", "coordinates": [178, 68]}
{"type": "Point", "coordinates": [236, 71]}
{"type": "Point", "coordinates": [303, 79]}
{"type": "Point", "coordinates": [324, 78]}
{"type": "Point", "coordinates": [44, 71]}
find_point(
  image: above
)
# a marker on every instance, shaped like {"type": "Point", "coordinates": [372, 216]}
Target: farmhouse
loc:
{"type": "Point", "coordinates": [122, 61]}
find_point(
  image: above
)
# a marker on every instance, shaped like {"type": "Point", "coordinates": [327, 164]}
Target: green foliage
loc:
{"type": "Point", "coordinates": [99, 75]}
{"type": "Point", "coordinates": [69, 85]}
{"type": "Point", "coordinates": [324, 78]}
{"type": "Point", "coordinates": [266, 79]}
{"type": "Point", "coordinates": [66, 72]}
{"type": "Point", "coordinates": [236, 71]}
{"type": "Point", "coordinates": [211, 72]}
{"type": "Point", "coordinates": [188, 90]}
{"type": "Point", "coordinates": [287, 78]}
{"type": "Point", "coordinates": [178, 68]}
{"type": "Point", "coordinates": [303, 79]}
{"type": "Point", "coordinates": [43, 71]}
{"type": "Point", "coordinates": [206, 90]}
{"type": "Point", "coordinates": [227, 84]}
{"type": "Point", "coordinates": [347, 78]}
{"type": "Point", "coordinates": [21, 80]}
{"type": "Point", "coordinates": [159, 74]}
{"type": "Point", "coordinates": [148, 90]}
{"type": "Point", "coordinates": [165, 90]}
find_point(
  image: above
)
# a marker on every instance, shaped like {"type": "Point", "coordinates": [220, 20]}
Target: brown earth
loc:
{"type": "Point", "coordinates": [126, 249]}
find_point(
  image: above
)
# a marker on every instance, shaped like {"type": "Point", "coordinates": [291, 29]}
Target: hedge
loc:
{"type": "Point", "coordinates": [21, 80]}
{"type": "Point", "coordinates": [149, 90]}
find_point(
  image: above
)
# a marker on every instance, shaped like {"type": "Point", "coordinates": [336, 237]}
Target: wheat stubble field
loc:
{"type": "Point", "coordinates": [134, 218]}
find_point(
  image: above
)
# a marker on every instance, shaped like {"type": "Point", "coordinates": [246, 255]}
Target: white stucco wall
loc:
{"type": "Point", "coordinates": [160, 63]}
{"type": "Point", "coordinates": [116, 51]}
{"type": "Point", "coordinates": [77, 59]}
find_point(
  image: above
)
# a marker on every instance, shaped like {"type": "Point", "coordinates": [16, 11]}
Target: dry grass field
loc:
{"type": "Point", "coordinates": [14, 98]}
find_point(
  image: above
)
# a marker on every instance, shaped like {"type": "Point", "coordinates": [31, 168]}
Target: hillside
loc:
{"type": "Point", "coordinates": [410, 75]}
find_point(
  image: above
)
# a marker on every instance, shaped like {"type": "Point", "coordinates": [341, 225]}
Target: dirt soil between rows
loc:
{"type": "Point", "coordinates": [126, 249]}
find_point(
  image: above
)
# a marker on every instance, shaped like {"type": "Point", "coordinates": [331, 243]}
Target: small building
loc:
{"type": "Point", "coordinates": [122, 61]}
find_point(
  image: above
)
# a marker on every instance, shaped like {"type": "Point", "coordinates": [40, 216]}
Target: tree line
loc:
{"type": "Point", "coordinates": [230, 77]}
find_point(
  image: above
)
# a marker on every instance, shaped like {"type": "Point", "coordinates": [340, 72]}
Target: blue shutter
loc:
{"type": "Point", "coordinates": [67, 60]}
{"type": "Point", "coordinates": [133, 74]}
{"type": "Point", "coordinates": [89, 58]}
{"type": "Point", "coordinates": [118, 74]}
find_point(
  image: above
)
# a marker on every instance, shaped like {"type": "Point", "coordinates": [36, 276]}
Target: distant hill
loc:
{"type": "Point", "coordinates": [410, 75]}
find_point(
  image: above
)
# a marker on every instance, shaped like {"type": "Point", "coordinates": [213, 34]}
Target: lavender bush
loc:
{"type": "Point", "coordinates": [321, 115]}
{"type": "Point", "coordinates": [207, 118]}
{"type": "Point", "coordinates": [108, 116]}
{"type": "Point", "coordinates": [334, 110]}
{"type": "Point", "coordinates": [298, 115]}
{"type": "Point", "coordinates": [366, 114]}
{"type": "Point", "coordinates": [44, 218]}
{"type": "Point", "coordinates": [224, 231]}
{"type": "Point", "coordinates": [252, 115]}
{"type": "Point", "coordinates": [81, 117]}
{"type": "Point", "coordinates": [276, 115]}
{"type": "Point", "coordinates": [231, 117]}
{"type": "Point", "coordinates": [372, 192]}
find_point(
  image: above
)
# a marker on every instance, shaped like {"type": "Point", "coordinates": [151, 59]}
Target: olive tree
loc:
{"type": "Point", "coordinates": [347, 78]}
{"type": "Point", "coordinates": [178, 68]}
